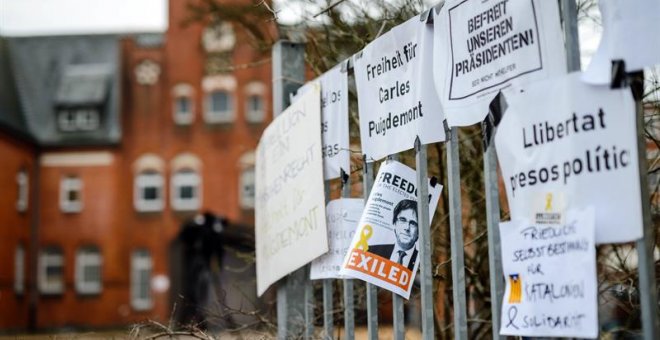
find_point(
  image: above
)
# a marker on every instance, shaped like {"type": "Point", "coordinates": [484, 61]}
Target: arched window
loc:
{"type": "Point", "coordinates": [246, 187]}
{"type": "Point", "coordinates": [186, 183]}
{"type": "Point", "coordinates": [183, 107]}
{"type": "Point", "coordinates": [88, 270]}
{"type": "Point", "coordinates": [219, 99]}
{"type": "Point", "coordinates": [148, 188]}
{"type": "Point", "coordinates": [255, 108]}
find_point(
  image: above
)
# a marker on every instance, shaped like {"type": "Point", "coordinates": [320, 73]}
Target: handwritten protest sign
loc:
{"type": "Point", "coordinates": [565, 136]}
{"type": "Point", "coordinates": [342, 218]}
{"type": "Point", "coordinates": [385, 248]}
{"type": "Point", "coordinates": [396, 97]}
{"type": "Point", "coordinates": [290, 208]}
{"type": "Point", "coordinates": [550, 273]}
{"type": "Point", "coordinates": [334, 121]}
{"type": "Point", "coordinates": [630, 33]}
{"type": "Point", "coordinates": [482, 47]}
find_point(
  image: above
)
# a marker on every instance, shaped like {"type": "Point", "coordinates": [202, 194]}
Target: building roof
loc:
{"type": "Point", "coordinates": [11, 116]}
{"type": "Point", "coordinates": [56, 72]}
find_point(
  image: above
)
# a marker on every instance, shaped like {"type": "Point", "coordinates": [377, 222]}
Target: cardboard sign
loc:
{"type": "Point", "coordinates": [385, 248]}
{"type": "Point", "coordinates": [334, 121]}
{"type": "Point", "coordinates": [580, 141]}
{"type": "Point", "coordinates": [482, 47]}
{"type": "Point", "coordinates": [342, 218]}
{"type": "Point", "coordinates": [630, 33]}
{"type": "Point", "coordinates": [290, 208]}
{"type": "Point", "coordinates": [396, 97]}
{"type": "Point", "coordinates": [550, 274]}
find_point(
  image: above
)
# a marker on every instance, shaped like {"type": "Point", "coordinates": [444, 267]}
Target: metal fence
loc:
{"type": "Point", "coordinates": [295, 293]}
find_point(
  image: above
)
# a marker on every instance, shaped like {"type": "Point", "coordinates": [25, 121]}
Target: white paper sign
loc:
{"type": "Point", "coordinates": [334, 121]}
{"type": "Point", "coordinates": [484, 46]}
{"type": "Point", "coordinates": [342, 216]}
{"type": "Point", "coordinates": [290, 208]}
{"type": "Point", "coordinates": [396, 96]}
{"type": "Point", "coordinates": [550, 274]}
{"type": "Point", "coordinates": [385, 248]}
{"type": "Point", "coordinates": [630, 32]}
{"type": "Point", "coordinates": [578, 140]}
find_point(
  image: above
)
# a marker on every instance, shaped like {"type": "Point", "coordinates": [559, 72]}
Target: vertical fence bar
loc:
{"type": "Point", "coordinates": [328, 321]}
{"type": "Point", "coordinates": [421, 165]}
{"type": "Point", "coordinates": [372, 291]}
{"type": "Point", "coordinates": [456, 235]}
{"type": "Point", "coordinates": [398, 318]}
{"type": "Point", "coordinates": [494, 245]}
{"type": "Point", "coordinates": [349, 307]}
{"type": "Point", "coordinates": [648, 295]}
{"type": "Point", "coordinates": [288, 76]}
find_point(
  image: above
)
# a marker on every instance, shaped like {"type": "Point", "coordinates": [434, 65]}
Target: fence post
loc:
{"type": "Point", "coordinates": [328, 321]}
{"type": "Point", "coordinates": [421, 166]}
{"type": "Point", "coordinates": [372, 291]}
{"type": "Point", "coordinates": [456, 236]}
{"type": "Point", "coordinates": [648, 295]}
{"type": "Point", "coordinates": [349, 313]}
{"type": "Point", "coordinates": [288, 75]}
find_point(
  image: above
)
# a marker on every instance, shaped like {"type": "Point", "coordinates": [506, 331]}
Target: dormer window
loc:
{"type": "Point", "coordinates": [70, 120]}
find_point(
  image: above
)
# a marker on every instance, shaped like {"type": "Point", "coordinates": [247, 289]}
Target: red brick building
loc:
{"type": "Point", "coordinates": [110, 144]}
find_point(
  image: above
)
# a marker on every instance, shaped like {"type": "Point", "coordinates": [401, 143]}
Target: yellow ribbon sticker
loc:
{"type": "Point", "coordinates": [548, 202]}
{"type": "Point", "coordinates": [365, 235]}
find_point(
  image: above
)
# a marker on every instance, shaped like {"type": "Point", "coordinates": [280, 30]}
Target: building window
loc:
{"type": "Point", "coordinates": [219, 107]}
{"type": "Point", "coordinates": [148, 192]}
{"type": "Point", "coordinates": [51, 271]}
{"type": "Point", "coordinates": [22, 180]}
{"type": "Point", "coordinates": [19, 270]}
{"type": "Point", "coordinates": [183, 114]}
{"type": "Point", "coordinates": [78, 120]}
{"type": "Point", "coordinates": [71, 194]}
{"type": "Point", "coordinates": [186, 186]}
{"type": "Point", "coordinates": [88, 271]}
{"type": "Point", "coordinates": [247, 188]}
{"type": "Point", "coordinates": [255, 112]}
{"type": "Point", "coordinates": [140, 280]}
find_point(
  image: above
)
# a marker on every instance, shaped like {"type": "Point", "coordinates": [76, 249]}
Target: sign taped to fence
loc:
{"type": "Point", "coordinates": [342, 217]}
{"type": "Point", "coordinates": [396, 98]}
{"type": "Point", "coordinates": [550, 274]}
{"type": "Point", "coordinates": [334, 121]}
{"type": "Point", "coordinates": [482, 47]}
{"type": "Point", "coordinates": [579, 141]}
{"type": "Point", "coordinates": [385, 248]}
{"type": "Point", "coordinates": [290, 207]}
{"type": "Point", "coordinates": [630, 33]}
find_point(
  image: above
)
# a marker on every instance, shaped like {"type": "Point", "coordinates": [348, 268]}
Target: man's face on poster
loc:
{"type": "Point", "coordinates": [406, 228]}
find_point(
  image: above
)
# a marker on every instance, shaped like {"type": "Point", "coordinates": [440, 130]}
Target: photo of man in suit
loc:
{"type": "Point", "coordinates": [406, 230]}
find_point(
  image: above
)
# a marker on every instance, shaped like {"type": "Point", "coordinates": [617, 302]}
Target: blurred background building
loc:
{"type": "Point", "coordinates": [110, 144]}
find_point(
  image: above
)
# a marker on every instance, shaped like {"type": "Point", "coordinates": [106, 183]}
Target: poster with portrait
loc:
{"type": "Point", "coordinates": [483, 47]}
{"type": "Point", "coordinates": [334, 120]}
{"type": "Point", "coordinates": [580, 142]}
{"type": "Point", "coordinates": [342, 216]}
{"type": "Point", "coordinates": [550, 272]}
{"type": "Point", "coordinates": [630, 33]}
{"type": "Point", "coordinates": [385, 248]}
{"type": "Point", "coordinates": [397, 100]}
{"type": "Point", "coordinates": [290, 229]}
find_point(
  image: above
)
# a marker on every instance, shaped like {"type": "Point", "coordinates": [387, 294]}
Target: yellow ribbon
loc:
{"type": "Point", "coordinates": [365, 235]}
{"type": "Point", "coordinates": [548, 202]}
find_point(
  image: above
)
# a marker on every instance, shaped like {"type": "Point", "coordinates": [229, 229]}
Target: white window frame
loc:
{"type": "Point", "coordinates": [247, 178]}
{"type": "Point", "coordinates": [181, 178]}
{"type": "Point", "coordinates": [225, 116]}
{"type": "Point", "coordinates": [88, 257]}
{"type": "Point", "coordinates": [87, 119]}
{"type": "Point", "coordinates": [23, 182]}
{"type": "Point", "coordinates": [141, 262]}
{"type": "Point", "coordinates": [47, 258]}
{"type": "Point", "coordinates": [68, 184]}
{"type": "Point", "coordinates": [149, 179]}
{"type": "Point", "coordinates": [66, 120]}
{"type": "Point", "coordinates": [19, 270]}
{"type": "Point", "coordinates": [183, 117]}
{"type": "Point", "coordinates": [255, 115]}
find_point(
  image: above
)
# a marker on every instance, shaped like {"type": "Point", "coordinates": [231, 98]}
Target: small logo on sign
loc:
{"type": "Point", "coordinates": [515, 295]}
